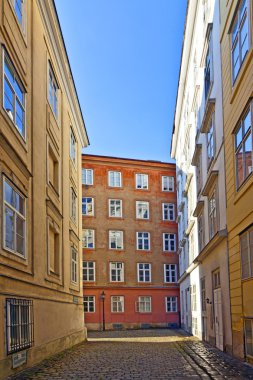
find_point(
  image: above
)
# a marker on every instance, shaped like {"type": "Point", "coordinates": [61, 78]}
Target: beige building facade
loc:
{"type": "Point", "coordinates": [42, 132]}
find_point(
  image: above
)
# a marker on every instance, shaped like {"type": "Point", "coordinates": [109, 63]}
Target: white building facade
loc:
{"type": "Point", "coordinates": [197, 146]}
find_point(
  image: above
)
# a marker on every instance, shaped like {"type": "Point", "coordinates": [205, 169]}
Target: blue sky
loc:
{"type": "Point", "coordinates": [125, 57]}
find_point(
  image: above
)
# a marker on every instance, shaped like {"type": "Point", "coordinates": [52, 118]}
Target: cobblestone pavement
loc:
{"type": "Point", "coordinates": [140, 354]}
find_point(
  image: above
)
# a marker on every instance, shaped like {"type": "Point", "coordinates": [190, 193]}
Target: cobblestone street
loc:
{"type": "Point", "coordinates": [140, 354]}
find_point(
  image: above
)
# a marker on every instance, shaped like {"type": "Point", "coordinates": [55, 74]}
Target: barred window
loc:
{"type": "Point", "coordinates": [19, 324]}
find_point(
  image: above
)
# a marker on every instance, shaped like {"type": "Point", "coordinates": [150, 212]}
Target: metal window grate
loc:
{"type": "Point", "coordinates": [19, 324]}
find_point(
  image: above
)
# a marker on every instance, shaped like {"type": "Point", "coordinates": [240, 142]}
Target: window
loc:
{"type": "Point", "coordinates": [201, 232]}
{"type": "Point", "coordinates": [169, 242]}
{"type": "Point", "coordinates": [114, 179]}
{"type": "Point", "coordinates": [193, 298]}
{"type": "Point", "coordinates": [18, 6]}
{"type": "Point", "coordinates": [142, 210]}
{"type": "Point", "coordinates": [72, 146]}
{"type": "Point", "coordinates": [199, 174]}
{"type": "Point", "coordinates": [88, 206]}
{"type": "Point", "coordinates": [87, 176]}
{"type": "Point", "coordinates": [115, 208]}
{"type": "Point", "coordinates": [53, 169]}
{"type": "Point", "coordinates": [212, 209]}
{"type": "Point", "coordinates": [203, 293]}
{"type": "Point", "coordinates": [74, 264]}
{"type": "Point", "coordinates": [168, 211]}
{"type": "Point", "coordinates": [216, 279]}
{"type": "Point", "coordinates": [141, 181]}
{"type": "Point", "coordinates": [208, 67]}
{"type": "Point", "coordinates": [53, 247]}
{"type": "Point", "coordinates": [167, 183]}
{"type": "Point", "coordinates": [144, 272]}
{"type": "Point", "coordinates": [170, 273]}
{"type": "Point", "coordinates": [89, 304]}
{"type": "Point", "coordinates": [116, 239]}
{"type": "Point", "coordinates": [143, 241]}
{"type": "Point", "coordinates": [88, 239]}
{"type": "Point", "coordinates": [53, 92]}
{"type": "Point", "coordinates": [239, 38]}
{"type": "Point", "coordinates": [246, 248]}
{"type": "Point", "coordinates": [117, 304]}
{"type": "Point", "coordinates": [19, 324]}
{"type": "Point", "coordinates": [144, 304]}
{"type": "Point", "coordinates": [73, 201]}
{"type": "Point", "coordinates": [14, 220]}
{"type": "Point", "coordinates": [14, 97]}
{"type": "Point", "coordinates": [116, 272]}
{"type": "Point", "coordinates": [210, 141]}
{"type": "Point", "coordinates": [89, 271]}
{"type": "Point", "coordinates": [171, 304]}
{"type": "Point", "coordinates": [243, 148]}
{"type": "Point", "coordinates": [249, 337]}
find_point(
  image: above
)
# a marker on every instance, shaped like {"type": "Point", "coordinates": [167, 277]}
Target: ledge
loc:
{"type": "Point", "coordinates": [198, 208]}
{"type": "Point", "coordinates": [188, 271]}
{"type": "Point", "coordinates": [189, 227]}
{"type": "Point", "coordinates": [188, 181]}
{"type": "Point", "coordinates": [216, 240]}
{"type": "Point", "coordinates": [212, 177]}
{"type": "Point", "coordinates": [208, 113]}
{"type": "Point", "coordinates": [196, 154]}
{"type": "Point", "coordinates": [181, 206]}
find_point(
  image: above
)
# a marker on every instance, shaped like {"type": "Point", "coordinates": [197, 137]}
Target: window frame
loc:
{"type": "Point", "coordinates": [121, 299]}
{"type": "Point", "coordinates": [111, 237]}
{"type": "Point", "coordinates": [119, 271]}
{"type": "Point", "coordinates": [73, 205]}
{"type": "Point", "coordinates": [87, 268]}
{"type": "Point", "coordinates": [73, 138]}
{"type": "Point", "coordinates": [143, 241]}
{"type": "Point", "coordinates": [170, 275]}
{"type": "Point", "coordinates": [114, 206]}
{"type": "Point", "coordinates": [173, 300]}
{"type": "Point", "coordinates": [84, 237]}
{"type": "Point", "coordinates": [87, 203]}
{"type": "Point", "coordinates": [247, 233]}
{"type": "Point", "coordinates": [143, 299]}
{"type": "Point", "coordinates": [169, 219]}
{"type": "Point", "coordinates": [149, 269]}
{"type": "Point", "coordinates": [55, 94]}
{"type": "Point", "coordinates": [88, 303]}
{"type": "Point", "coordinates": [85, 176]}
{"type": "Point", "coordinates": [6, 58]}
{"type": "Point", "coordinates": [74, 265]}
{"type": "Point", "coordinates": [210, 141]}
{"type": "Point", "coordinates": [245, 334]}
{"type": "Point", "coordinates": [213, 196]}
{"type": "Point", "coordinates": [142, 177]}
{"type": "Point", "coordinates": [137, 204]}
{"type": "Point", "coordinates": [170, 189]}
{"type": "Point", "coordinates": [169, 242]}
{"type": "Point", "coordinates": [114, 179]}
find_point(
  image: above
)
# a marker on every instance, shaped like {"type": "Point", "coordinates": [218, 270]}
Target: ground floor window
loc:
{"type": "Point", "coordinates": [171, 304]}
{"type": "Point", "coordinates": [19, 324]}
{"type": "Point", "coordinates": [89, 304]}
{"type": "Point", "coordinates": [117, 304]}
{"type": "Point", "coordinates": [249, 337]}
{"type": "Point", "coordinates": [144, 304]}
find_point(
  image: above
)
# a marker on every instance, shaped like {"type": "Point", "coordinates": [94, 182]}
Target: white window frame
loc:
{"type": "Point", "coordinates": [213, 213]}
{"type": "Point", "coordinates": [22, 104]}
{"type": "Point", "coordinates": [16, 214]}
{"type": "Point", "coordinates": [74, 265]}
{"type": "Point", "coordinates": [118, 268]}
{"type": "Point", "coordinates": [112, 178]}
{"type": "Point", "coordinates": [142, 239]}
{"type": "Point", "coordinates": [73, 205]}
{"type": "Point", "coordinates": [172, 301]}
{"type": "Point", "coordinates": [113, 235]}
{"type": "Point", "coordinates": [90, 271]}
{"type": "Point", "coordinates": [73, 147]}
{"type": "Point", "coordinates": [170, 210]}
{"type": "Point", "coordinates": [141, 181]}
{"type": "Point", "coordinates": [112, 204]}
{"type": "Point", "coordinates": [90, 203]}
{"type": "Point", "coordinates": [145, 270]}
{"type": "Point", "coordinates": [90, 299]}
{"type": "Point", "coordinates": [168, 183]}
{"type": "Point", "coordinates": [170, 270]}
{"type": "Point", "coordinates": [210, 140]}
{"type": "Point", "coordinates": [86, 177]}
{"type": "Point", "coordinates": [168, 239]}
{"type": "Point", "coordinates": [142, 206]}
{"type": "Point", "coordinates": [86, 236]}
{"type": "Point", "coordinates": [146, 302]}
{"type": "Point", "coordinates": [117, 300]}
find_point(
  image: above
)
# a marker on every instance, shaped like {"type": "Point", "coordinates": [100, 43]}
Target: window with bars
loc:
{"type": "Point", "coordinates": [87, 176]}
{"type": "Point", "coordinates": [14, 96]}
{"type": "Point", "coordinates": [246, 248]}
{"type": "Point", "coordinates": [116, 272]}
{"type": "Point", "coordinates": [141, 181]}
{"type": "Point", "coordinates": [14, 220]}
{"type": "Point", "coordinates": [114, 179]}
{"type": "Point", "coordinates": [88, 206]}
{"type": "Point", "coordinates": [89, 304]}
{"type": "Point", "coordinates": [167, 183]}
{"type": "Point", "coordinates": [171, 304]}
{"type": "Point", "coordinates": [88, 239]}
{"type": "Point", "coordinates": [89, 271]}
{"type": "Point", "coordinates": [240, 37]}
{"type": "Point", "coordinates": [116, 239]}
{"type": "Point", "coordinates": [117, 304]}
{"type": "Point", "coordinates": [19, 324]}
{"type": "Point", "coordinates": [168, 211]}
{"type": "Point", "coordinates": [115, 208]}
{"type": "Point", "coordinates": [144, 272]}
{"type": "Point", "coordinates": [143, 241]}
{"type": "Point", "coordinates": [142, 210]}
{"type": "Point", "coordinates": [170, 273]}
{"type": "Point", "coordinates": [144, 304]}
{"type": "Point", "coordinates": [169, 242]}
{"type": "Point", "coordinates": [243, 148]}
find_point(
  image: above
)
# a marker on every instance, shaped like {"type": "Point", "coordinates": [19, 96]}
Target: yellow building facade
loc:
{"type": "Point", "coordinates": [237, 74]}
{"type": "Point", "coordinates": [42, 132]}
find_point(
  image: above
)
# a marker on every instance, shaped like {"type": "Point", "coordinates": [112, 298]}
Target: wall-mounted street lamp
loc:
{"type": "Point", "coordinates": [102, 297]}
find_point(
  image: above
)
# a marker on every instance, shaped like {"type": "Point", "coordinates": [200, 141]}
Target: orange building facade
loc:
{"type": "Point", "coordinates": [130, 261]}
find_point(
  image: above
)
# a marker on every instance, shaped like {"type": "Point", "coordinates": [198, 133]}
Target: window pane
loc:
{"type": "Point", "coordinates": [248, 155]}
{"type": "Point", "coordinates": [236, 62]}
{"type": "Point", "coordinates": [249, 337]}
{"type": "Point", "coordinates": [244, 39]}
{"type": "Point", "coordinates": [8, 99]}
{"type": "Point", "coordinates": [239, 167]}
{"type": "Point", "coordinates": [9, 228]}
{"type": "Point", "coordinates": [238, 137]}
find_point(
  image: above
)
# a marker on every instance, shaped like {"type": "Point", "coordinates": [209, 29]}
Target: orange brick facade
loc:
{"type": "Point", "coordinates": [145, 248]}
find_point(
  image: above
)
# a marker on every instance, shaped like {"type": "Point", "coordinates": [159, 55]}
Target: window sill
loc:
{"type": "Point", "coordinates": [235, 87]}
